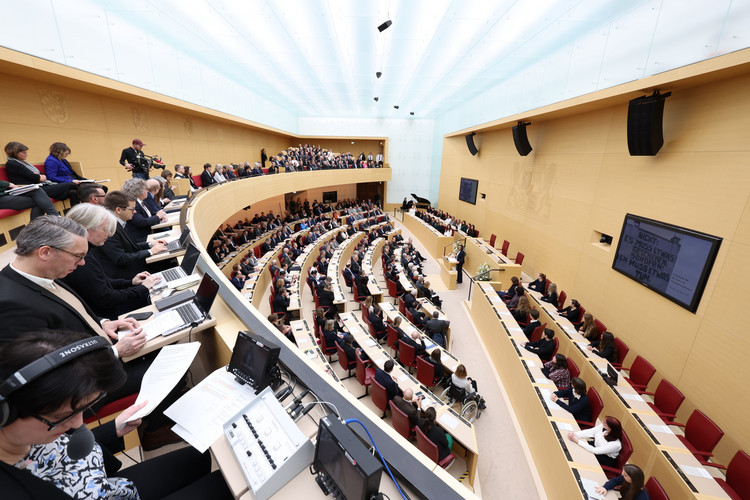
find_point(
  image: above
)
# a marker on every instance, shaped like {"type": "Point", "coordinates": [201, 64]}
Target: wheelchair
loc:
{"type": "Point", "coordinates": [471, 404]}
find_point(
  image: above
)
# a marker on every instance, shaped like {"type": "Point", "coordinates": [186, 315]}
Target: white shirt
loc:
{"type": "Point", "coordinates": [601, 445]}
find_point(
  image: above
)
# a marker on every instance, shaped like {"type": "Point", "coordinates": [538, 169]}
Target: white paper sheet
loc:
{"type": "Point", "coordinates": [448, 420]}
{"type": "Point", "coordinates": [163, 375]}
{"type": "Point", "coordinates": [664, 429]}
{"type": "Point", "coordinates": [695, 471]}
{"type": "Point", "coordinates": [589, 485]}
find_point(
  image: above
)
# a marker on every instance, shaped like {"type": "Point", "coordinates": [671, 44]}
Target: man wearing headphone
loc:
{"type": "Point", "coordinates": [48, 379]}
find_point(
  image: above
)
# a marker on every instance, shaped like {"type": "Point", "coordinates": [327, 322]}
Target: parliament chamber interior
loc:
{"type": "Point", "coordinates": [348, 271]}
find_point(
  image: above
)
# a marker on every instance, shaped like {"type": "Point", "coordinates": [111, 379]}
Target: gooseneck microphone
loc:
{"type": "Point", "coordinates": [81, 442]}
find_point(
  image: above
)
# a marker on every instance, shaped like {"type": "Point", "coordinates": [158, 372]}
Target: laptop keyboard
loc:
{"type": "Point", "coordinates": [172, 274]}
{"type": "Point", "coordinates": [173, 245]}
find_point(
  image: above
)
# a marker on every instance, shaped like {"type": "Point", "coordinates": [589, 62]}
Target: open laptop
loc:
{"type": "Point", "coordinates": [176, 277]}
{"type": "Point", "coordinates": [186, 314]}
{"type": "Point", "coordinates": [179, 243]}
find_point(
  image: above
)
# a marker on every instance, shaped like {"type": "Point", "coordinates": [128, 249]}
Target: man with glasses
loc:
{"type": "Point", "coordinates": [90, 192]}
{"type": "Point", "coordinates": [121, 255]}
{"type": "Point", "coordinates": [107, 297]}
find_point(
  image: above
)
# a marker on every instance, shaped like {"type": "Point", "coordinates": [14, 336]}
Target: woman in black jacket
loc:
{"type": "Point", "coordinates": [21, 172]}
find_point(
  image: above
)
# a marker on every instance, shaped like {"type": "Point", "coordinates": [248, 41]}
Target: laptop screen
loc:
{"type": "Point", "coordinates": [190, 259]}
{"type": "Point", "coordinates": [184, 237]}
{"type": "Point", "coordinates": [207, 290]}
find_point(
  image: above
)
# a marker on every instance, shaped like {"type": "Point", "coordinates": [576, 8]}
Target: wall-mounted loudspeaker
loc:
{"type": "Point", "coordinates": [645, 124]}
{"type": "Point", "coordinates": [521, 139]}
{"type": "Point", "coordinates": [470, 144]}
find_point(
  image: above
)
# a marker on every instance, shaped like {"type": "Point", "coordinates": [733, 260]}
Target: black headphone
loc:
{"type": "Point", "coordinates": [41, 366]}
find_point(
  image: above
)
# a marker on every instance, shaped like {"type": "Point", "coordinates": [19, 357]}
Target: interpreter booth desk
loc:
{"type": "Point", "coordinates": [207, 211]}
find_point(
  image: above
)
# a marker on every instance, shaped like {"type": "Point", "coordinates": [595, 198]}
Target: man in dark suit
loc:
{"type": "Point", "coordinates": [387, 380]}
{"type": "Point", "coordinates": [460, 257]}
{"type": "Point", "coordinates": [281, 301]}
{"type": "Point", "coordinates": [533, 324]}
{"type": "Point", "coordinates": [207, 177]}
{"type": "Point", "coordinates": [349, 277]}
{"type": "Point", "coordinates": [377, 323]}
{"type": "Point", "coordinates": [407, 404]}
{"type": "Point", "coordinates": [415, 340]}
{"type": "Point", "coordinates": [543, 347]}
{"type": "Point", "coordinates": [121, 256]}
{"type": "Point", "coordinates": [410, 300]}
{"type": "Point", "coordinates": [437, 328]}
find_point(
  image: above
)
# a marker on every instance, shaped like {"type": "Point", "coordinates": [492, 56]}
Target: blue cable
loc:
{"type": "Point", "coordinates": [388, 470]}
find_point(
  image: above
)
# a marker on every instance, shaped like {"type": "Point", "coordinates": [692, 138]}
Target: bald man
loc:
{"type": "Point", "coordinates": [407, 404]}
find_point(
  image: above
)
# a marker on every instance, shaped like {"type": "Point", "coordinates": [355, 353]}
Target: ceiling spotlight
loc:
{"type": "Point", "coordinates": [376, 98]}
{"type": "Point", "coordinates": [411, 113]}
{"type": "Point", "coordinates": [384, 26]}
{"type": "Point", "coordinates": [395, 107]}
{"type": "Point", "coordinates": [378, 74]}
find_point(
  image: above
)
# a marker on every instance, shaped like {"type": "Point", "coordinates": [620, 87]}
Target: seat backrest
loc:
{"type": "Point", "coordinates": [391, 285]}
{"type": "Point", "coordinates": [504, 249]}
{"type": "Point", "coordinates": [573, 368]}
{"type": "Point", "coordinates": [599, 327]}
{"type": "Point", "coordinates": [361, 371]}
{"type": "Point", "coordinates": [492, 240]}
{"type": "Point", "coordinates": [327, 349]}
{"type": "Point", "coordinates": [622, 350]}
{"type": "Point", "coordinates": [625, 451]}
{"type": "Point", "coordinates": [256, 250]}
{"type": "Point", "coordinates": [3, 174]}
{"type": "Point", "coordinates": [458, 393]}
{"type": "Point", "coordinates": [197, 180]}
{"type": "Point", "coordinates": [738, 474]}
{"type": "Point", "coordinates": [557, 346]}
{"type": "Point", "coordinates": [654, 490]}
{"type": "Point", "coordinates": [406, 354]}
{"type": "Point", "coordinates": [347, 280]}
{"type": "Point", "coordinates": [401, 306]}
{"type": "Point", "coordinates": [400, 421]}
{"type": "Point", "coordinates": [426, 446]}
{"type": "Point", "coordinates": [425, 372]}
{"type": "Point", "coordinates": [702, 432]}
{"type": "Point", "coordinates": [561, 299]}
{"type": "Point", "coordinates": [379, 395]}
{"type": "Point", "coordinates": [519, 258]}
{"type": "Point", "coordinates": [641, 371]}
{"type": "Point", "coordinates": [343, 360]}
{"type": "Point", "coordinates": [536, 335]}
{"type": "Point", "coordinates": [667, 397]}
{"type": "Point", "coordinates": [595, 403]}
{"type": "Point", "coordinates": [546, 285]}
{"type": "Point", "coordinates": [392, 337]}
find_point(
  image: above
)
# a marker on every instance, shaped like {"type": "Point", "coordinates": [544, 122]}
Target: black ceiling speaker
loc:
{"type": "Point", "coordinates": [470, 144]}
{"type": "Point", "coordinates": [384, 26]}
{"type": "Point", "coordinates": [645, 116]}
{"type": "Point", "coordinates": [521, 139]}
{"type": "Point", "coordinates": [378, 74]}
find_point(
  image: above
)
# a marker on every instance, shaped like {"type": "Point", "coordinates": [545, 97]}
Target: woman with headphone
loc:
{"type": "Point", "coordinates": [47, 381]}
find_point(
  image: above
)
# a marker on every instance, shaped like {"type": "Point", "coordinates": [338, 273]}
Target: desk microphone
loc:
{"type": "Point", "coordinates": [80, 443]}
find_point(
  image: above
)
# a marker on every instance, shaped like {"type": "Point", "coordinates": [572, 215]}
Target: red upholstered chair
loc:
{"type": "Point", "coordinates": [596, 405]}
{"type": "Point", "coordinates": [365, 315]}
{"type": "Point", "coordinates": [379, 396]}
{"type": "Point", "coordinates": [406, 355]}
{"type": "Point", "coordinates": [282, 315]}
{"type": "Point", "coordinates": [654, 490]}
{"type": "Point", "coordinates": [392, 288]}
{"type": "Point", "coordinates": [325, 348]}
{"type": "Point", "coordinates": [737, 483]}
{"type": "Point", "coordinates": [344, 361]}
{"type": "Point", "coordinates": [392, 337]}
{"type": "Point", "coordinates": [504, 249]}
{"type": "Point", "coordinates": [667, 400]}
{"type": "Point", "coordinates": [537, 333]}
{"type": "Point", "coordinates": [348, 281]}
{"type": "Point", "coordinates": [256, 251]}
{"type": "Point", "coordinates": [546, 285]}
{"type": "Point", "coordinates": [640, 374]}
{"type": "Point", "coordinates": [573, 368]}
{"type": "Point", "coordinates": [622, 458]}
{"type": "Point", "coordinates": [401, 306]}
{"type": "Point", "coordinates": [197, 180]}
{"type": "Point", "coordinates": [701, 437]}
{"type": "Point", "coordinates": [557, 346]}
{"type": "Point", "coordinates": [599, 327]}
{"type": "Point", "coordinates": [492, 240]}
{"type": "Point", "coordinates": [401, 422]}
{"type": "Point", "coordinates": [426, 373]}
{"type": "Point", "coordinates": [519, 258]}
{"type": "Point", "coordinates": [561, 299]}
{"type": "Point", "coordinates": [622, 352]}
{"type": "Point", "coordinates": [431, 450]}
{"type": "Point", "coordinates": [110, 411]}
{"type": "Point", "coordinates": [365, 374]}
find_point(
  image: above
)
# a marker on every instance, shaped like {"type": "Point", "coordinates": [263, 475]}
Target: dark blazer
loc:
{"type": "Point", "coordinates": [377, 323]}
{"type": "Point", "coordinates": [537, 285]}
{"type": "Point", "coordinates": [280, 303]}
{"type": "Point", "coordinates": [419, 347]}
{"type": "Point", "coordinates": [580, 408]}
{"type": "Point", "coordinates": [108, 297]}
{"type": "Point", "coordinates": [543, 348]}
{"type": "Point", "coordinates": [207, 178]}
{"type": "Point", "coordinates": [551, 298]}
{"type": "Point", "coordinates": [391, 387]}
{"type": "Point", "coordinates": [150, 203]}
{"type": "Point", "coordinates": [408, 407]}
{"type": "Point", "coordinates": [139, 226]}
{"type": "Point", "coordinates": [326, 298]}
{"type": "Point", "coordinates": [531, 327]}
{"type": "Point", "coordinates": [26, 306]}
{"type": "Point", "coordinates": [121, 256]}
{"type": "Point", "coordinates": [437, 325]}
{"type": "Point", "coordinates": [58, 170]}
{"type": "Point", "coordinates": [437, 436]}
{"type": "Point", "coordinates": [409, 300]}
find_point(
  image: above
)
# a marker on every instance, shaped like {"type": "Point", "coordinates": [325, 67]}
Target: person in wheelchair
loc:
{"type": "Point", "coordinates": [461, 380]}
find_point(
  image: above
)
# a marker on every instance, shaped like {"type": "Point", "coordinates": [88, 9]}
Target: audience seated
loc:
{"type": "Point", "coordinates": [578, 402]}
{"type": "Point", "coordinates": [543, 347]}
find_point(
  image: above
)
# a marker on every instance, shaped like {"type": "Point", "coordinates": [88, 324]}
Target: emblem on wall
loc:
{"type": "Point", "coordinates": [531, 191]}
{"type": "Point", "coordinates": [187, 123]}
{"type": "Point", "coordinates": [140, 121]}
{"type": "Point", "coordinates": [54, 105]}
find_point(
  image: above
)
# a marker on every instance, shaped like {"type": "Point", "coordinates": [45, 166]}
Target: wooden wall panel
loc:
{"type": "Point", "coordinates": [580, 179]}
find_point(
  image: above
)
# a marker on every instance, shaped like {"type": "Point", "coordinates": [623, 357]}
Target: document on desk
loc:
{"type": "Point", "coordinates": [589, 485]}
{"type": "Point", "coordinates": [201, 413]}
{"type": "Point", "coordinates": [163, 375]}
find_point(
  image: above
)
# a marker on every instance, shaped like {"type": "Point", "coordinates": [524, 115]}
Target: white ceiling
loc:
{"type": "Point", "coordinates": [318, 58]}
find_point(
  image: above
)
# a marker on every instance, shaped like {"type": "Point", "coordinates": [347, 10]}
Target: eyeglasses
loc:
{"type": "Point", "coordinates": [78, 257]}
{"type": "Point", "coordinates": [52, 425]}
{"type": "Point", "coordinates": [128, 208]}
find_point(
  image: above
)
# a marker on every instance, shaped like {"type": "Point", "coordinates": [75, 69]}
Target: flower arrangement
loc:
{"type": "Point", "coordinates": [483, 272]}
{"type": "Point", "coordinates": [455, 247]}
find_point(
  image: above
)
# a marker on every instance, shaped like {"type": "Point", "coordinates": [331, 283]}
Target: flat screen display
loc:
{"type": "Point", "coordinates": [337, 464]}
{"type": "Point", "coordinates": [672, 261]}
{"type": "Point", "coordinates": [468, 190]}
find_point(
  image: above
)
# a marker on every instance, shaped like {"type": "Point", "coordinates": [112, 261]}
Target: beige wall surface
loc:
{"type": "Point", "coordinates": [580, 180]}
